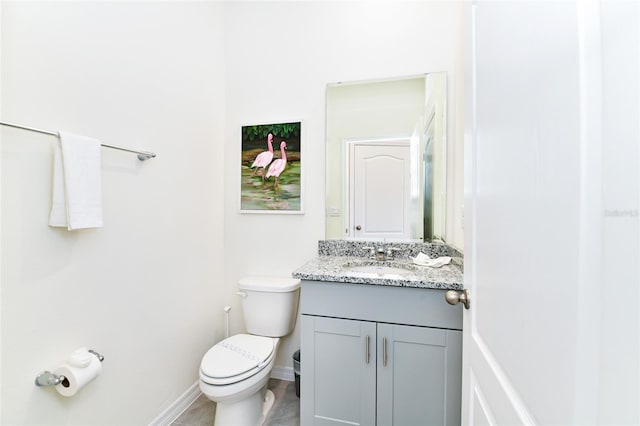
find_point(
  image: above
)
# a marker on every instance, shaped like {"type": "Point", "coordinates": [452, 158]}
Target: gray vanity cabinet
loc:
{"type": "Point", "coordinates": [377, 355]}
{"type": "Point", "coordinates": [342, 386]}
{"type": "Point", "coordinates": [421, 381]}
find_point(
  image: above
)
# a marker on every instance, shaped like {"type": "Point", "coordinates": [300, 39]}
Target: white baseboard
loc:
{"type": "Point", "coordinates": [283, 373]}
{"type": "Point", "coordinates": [173, 411]}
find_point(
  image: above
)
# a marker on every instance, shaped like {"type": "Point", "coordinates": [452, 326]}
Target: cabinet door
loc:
{"type": "Point", "coordinates": [337, 378]}
{"type": "Point", "coordinates": [419, 376]}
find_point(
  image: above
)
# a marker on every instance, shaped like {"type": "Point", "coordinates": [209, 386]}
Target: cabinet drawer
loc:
{"type": "Point", "coordinates": [399, 305]}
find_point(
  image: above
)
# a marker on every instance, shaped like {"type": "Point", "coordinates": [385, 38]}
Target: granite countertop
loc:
{"type": "Point", "coordinates": [405, 273]}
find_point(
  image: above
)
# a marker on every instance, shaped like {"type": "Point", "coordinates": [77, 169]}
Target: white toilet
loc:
{"type": "Point", "coordinates": [234, 373]}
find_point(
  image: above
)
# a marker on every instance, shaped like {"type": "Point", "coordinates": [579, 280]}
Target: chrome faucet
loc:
{"type": "Point", "coordinates": [372, 251]}
{"type": "Point", "coordinates": [376, 253]}
{"type": "Point", "coordinates": [390, 251]}
{"type": "Point", "coordinates": [380, 254]}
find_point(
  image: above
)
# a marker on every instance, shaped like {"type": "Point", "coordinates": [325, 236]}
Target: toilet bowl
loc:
{"type": "Point", "coordinates": [234, 373]}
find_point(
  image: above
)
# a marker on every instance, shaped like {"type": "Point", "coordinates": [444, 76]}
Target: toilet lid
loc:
{"type": "Point", "coordinates": [237, 355]}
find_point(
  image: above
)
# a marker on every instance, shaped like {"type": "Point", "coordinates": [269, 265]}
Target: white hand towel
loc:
{"type": "Point", "coordinates": [77, 183]}
{"type": "Point", "coordinates": [424, 260]}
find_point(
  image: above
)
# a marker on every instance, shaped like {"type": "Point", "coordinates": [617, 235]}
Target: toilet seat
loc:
{"type": "Point", "coordinates": [236, 358]}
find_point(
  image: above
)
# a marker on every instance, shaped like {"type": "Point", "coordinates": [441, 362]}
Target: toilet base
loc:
{"type": "Point", "coordinates": [267, 405]}
{"type": "Point", "coordinates": [251, 411]}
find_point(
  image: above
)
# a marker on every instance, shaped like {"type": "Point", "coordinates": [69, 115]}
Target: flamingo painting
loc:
{"type": "Point", "coordinates": [283, 191]}
{"type": "Point", "coordinates": [277, 167]}
{"type": "Point", "coordinates": [264, 158]}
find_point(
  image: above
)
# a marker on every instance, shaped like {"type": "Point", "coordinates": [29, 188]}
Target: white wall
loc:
{"type": "Point", "coordinates": [280, 56]}
{"type": "Point", "coordinates": [147, 289]}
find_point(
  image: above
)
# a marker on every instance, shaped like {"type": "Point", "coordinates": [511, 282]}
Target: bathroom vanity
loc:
{"type": "Point", "coordinates": [379, 348]}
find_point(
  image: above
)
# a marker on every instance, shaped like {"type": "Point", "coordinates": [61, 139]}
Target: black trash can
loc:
{"type": "Point", "coordinates": [296, 370]}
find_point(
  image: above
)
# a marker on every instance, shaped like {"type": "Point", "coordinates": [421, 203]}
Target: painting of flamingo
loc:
{"type": "Point", "coordinates": [264, 158]}
{"type": "Point", "coordinates": [278, 165]}
{"type": "Point", "coordinates": [257, 193]}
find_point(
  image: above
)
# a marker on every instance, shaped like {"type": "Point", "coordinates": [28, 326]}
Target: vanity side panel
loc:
{"type": "Point", "coordinates": [396, 305]}
{"type": "Point", "coordinates": [453, 381]}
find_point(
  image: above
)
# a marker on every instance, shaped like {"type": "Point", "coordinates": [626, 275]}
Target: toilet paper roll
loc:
{"type": "Point", "coordinates": [77, 377]}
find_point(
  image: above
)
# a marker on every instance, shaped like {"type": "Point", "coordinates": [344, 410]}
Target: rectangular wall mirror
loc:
{"type": "Point", "coordinates": [386, 159]}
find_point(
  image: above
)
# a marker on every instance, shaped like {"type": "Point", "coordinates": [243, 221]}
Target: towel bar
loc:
{"type": "Point", "coordinates": [142, 155]}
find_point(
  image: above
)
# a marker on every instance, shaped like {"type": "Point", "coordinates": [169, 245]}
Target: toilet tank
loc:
{"type": "Point", "coordinates": [269, 305]}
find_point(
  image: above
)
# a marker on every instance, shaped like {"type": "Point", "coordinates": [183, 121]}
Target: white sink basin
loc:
{"type": "Point", "coordinates": [373, 269]}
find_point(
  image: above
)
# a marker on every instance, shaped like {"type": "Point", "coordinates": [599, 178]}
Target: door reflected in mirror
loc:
{"type": "Point", "coordinates": [386, 159]}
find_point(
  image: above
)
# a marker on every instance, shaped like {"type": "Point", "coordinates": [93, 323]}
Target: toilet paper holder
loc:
{"type": "Point", "coordinates": [47, 378]}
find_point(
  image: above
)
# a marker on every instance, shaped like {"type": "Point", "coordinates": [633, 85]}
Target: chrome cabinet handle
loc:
{"type": "Point", "coordinates": [453, 298]}
{"type": "Point", "coordinates": [366, 349]}
{"type": "Point", "coordinates": [384, 351]}
{"type": "Point", "coordinates": [358, 227]}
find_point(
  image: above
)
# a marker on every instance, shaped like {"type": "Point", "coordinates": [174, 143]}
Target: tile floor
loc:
{"type": "Point", "coordinates": [285, 411]}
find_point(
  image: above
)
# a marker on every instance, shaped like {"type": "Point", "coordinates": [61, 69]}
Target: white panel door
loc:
{"type": "Point", "coordinates": [380, 191]}
{"type": "Point", "coordinates": [551, 206]}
